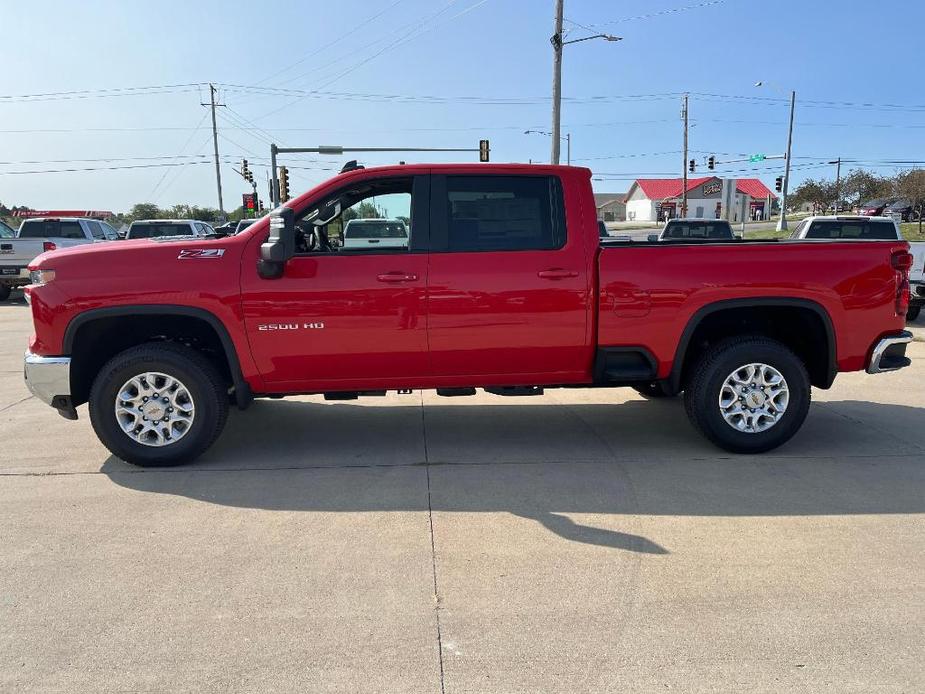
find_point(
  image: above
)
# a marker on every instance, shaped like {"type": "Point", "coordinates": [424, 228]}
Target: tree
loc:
{"type": "Point", "coordinates": [368, 210]}
{"type": "Point", "coordinates": [819, 194]}
{"type": "Point", "coordinates": [860, 185]}
{"type": "Point", "coordinates": [911, 184]}
{"type": "Point", "coordinates": [143, 210]}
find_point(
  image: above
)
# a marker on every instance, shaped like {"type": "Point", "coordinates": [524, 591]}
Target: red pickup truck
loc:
{"type": "Point", "coordinates": [501, 282]}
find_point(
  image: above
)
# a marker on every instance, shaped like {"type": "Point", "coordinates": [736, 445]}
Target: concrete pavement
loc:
{"type": "Point", "coordinates": [584, 541]}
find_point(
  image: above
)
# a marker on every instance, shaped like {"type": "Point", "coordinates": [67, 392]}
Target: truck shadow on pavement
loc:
{"type": "Point", "coordinates": [552, 463]}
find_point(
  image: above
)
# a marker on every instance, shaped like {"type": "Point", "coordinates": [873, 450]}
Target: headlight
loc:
{"type": "Point", "coordinates": [39, 277]}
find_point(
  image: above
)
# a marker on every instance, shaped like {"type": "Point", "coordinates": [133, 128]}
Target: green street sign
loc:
{"type": "Point", "coordinates": [756, 157]}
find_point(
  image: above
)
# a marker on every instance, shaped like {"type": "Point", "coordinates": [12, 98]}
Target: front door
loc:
{"type": "Point", "coordinates": [346, 317]}
{"type": "Point", "coordinates": [508, 294]}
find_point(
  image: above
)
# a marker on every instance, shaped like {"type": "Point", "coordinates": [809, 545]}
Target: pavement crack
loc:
{"type": "Point", "coordinates": [14, 404]}
{"type": "Point", "coordinates": [433, 558]}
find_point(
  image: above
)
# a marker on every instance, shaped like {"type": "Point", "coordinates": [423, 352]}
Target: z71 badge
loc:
{"type": "Point", "coordinates": [201, 253]}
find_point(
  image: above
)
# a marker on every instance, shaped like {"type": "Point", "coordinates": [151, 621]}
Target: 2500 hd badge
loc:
{"type": "Point", "coordinates": [291, 326]}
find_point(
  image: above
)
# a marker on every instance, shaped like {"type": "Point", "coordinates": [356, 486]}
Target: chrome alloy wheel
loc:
{"type": "Point", "coordinates": [154, 409]}
{"type": "Point", "coordinates": [753, 398]}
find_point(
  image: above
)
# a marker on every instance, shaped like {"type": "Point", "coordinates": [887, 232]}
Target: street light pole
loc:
{"type": "Point", "coordinates": [684, 163]}
{"type": "Point", "coordinates": [837, 163]}
{"type": "Point", "coordinates": [782, 222]}
{"type": "Point", "coordinates": [556, 82]}
{"type": "Point", "coordinates": [568, 148]}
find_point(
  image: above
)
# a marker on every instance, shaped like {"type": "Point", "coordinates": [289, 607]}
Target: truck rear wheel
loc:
{"type": "Point", "coordinates": [158, 404]}
{"type": "Point", "coordinates": [913, 313]}
{"type": "Point", "coordinates": [748, 395]}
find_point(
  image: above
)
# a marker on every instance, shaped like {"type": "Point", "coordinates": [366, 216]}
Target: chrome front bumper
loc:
{"type": "Point", "coordinates": [890, 353]}
{"type": "Point", "coordinates": [49, 379]}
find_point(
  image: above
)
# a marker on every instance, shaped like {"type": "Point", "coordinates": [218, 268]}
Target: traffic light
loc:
{"type": "Point", "coordinates": [283, 184]}
{"type": "Point", "coordinates": [483, 150]}
{"type": "Point", "coordinates": [779, 183]}
{"type": "Point", "coordinates": [691, 165]}
{"type": "Point", "coordinates": [711, 162]}
{"type": "Point", "coordinates": [245, 172]}
{"type": "Point", "coordinates": [260, 206]}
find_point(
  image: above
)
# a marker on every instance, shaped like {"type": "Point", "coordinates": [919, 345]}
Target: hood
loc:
{"type": "Point", "coordinates": [115, 251]}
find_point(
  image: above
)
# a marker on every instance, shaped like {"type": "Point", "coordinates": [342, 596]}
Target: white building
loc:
{"type": "Point", "coordinates": [656, 199]}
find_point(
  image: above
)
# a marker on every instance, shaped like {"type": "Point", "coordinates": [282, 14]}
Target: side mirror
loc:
{"type": "Point", "coordinates": [652, 238]}
{"type": "Point", "coordinates": [279, 247]}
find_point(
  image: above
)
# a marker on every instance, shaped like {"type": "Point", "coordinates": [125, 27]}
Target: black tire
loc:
{"type": "Point", "coordinates": [913, 313]}
{"type": "Point", "coordinates": [653, 390]}
{"type": "Point", "coordinates": [198, 374]}
{"type": "Point", "coordinates": [701, 396]}
{"type": "Point", "coordinates": [5, 290]}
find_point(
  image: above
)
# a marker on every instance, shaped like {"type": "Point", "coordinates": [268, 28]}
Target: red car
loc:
{"type": "Point", "coordinates": [504, 284]}
{"type": "Point", "coordinates": [874, 208]}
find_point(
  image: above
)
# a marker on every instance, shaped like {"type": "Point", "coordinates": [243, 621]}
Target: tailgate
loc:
{"type": "Point", "coordinates": [917, 274]}
{"type": "Point", "coordinates": [19, 253]}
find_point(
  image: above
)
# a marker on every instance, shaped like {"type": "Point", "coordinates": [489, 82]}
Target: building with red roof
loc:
{"type": "Point", "coordinates": [655, 199]}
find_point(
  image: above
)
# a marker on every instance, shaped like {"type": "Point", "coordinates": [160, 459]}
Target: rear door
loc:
{"type": "Point", "coordinates": [509, 291]}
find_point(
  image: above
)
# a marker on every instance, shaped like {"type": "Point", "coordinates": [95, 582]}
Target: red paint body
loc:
{"type": "Point", "coordinates": [425, 320]}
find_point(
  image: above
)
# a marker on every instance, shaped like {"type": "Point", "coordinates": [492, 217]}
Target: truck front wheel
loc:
{"type": "Point", "coordinates": [158, 404]}
{"type": "Point", "coordinates": [912, 313]}
{"type": "Point", "coordinates": [748, 395]}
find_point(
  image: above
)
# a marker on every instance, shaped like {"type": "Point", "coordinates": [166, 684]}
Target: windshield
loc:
{"type": "Point", "coordinates": [6, 232]}
{"type": "Point", "coordinates": [51, 228]}
{"type": "Point", "coordinates": [877, 202]}
{"type": "Point", "coordinates": [243, 224]}
{"type": "Point", "coordinates": [375, 229]}
{"type": "Point", "coordinates": [698, 230]}
{"type": "Point", "coordinates": [150, 231]}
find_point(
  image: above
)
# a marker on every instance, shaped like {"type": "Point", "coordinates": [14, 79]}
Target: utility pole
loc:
{"type": "Point", "coordinates": [556, 82]}
{"type": "Point", "coordinates": [218, 171]}
{"type": "Point", "coordinates": [837, 163]}
{"type": "Point", "coordinates": [782, 222]}
{"type": "Point", "coordinates": [684, 161]}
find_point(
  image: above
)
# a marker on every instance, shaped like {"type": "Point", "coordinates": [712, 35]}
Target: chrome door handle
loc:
{"type": "Point", "coordinates": [556, 273]}
{"type": "Point", "coordinates": [396, 277]}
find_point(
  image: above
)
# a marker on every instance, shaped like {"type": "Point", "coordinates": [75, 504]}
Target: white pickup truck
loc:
{"type": "Point", "coordinates": [862, 228]}
{"type": "Point", "coordinates": [41, 234]}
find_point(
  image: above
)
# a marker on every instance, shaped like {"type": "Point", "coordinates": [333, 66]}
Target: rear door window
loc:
{"type": "Point", "coordinates": [852, 229]}
{"type": "Point", "coordinates": [96, 231]}
{"type": "Point", "coordinates": [503, 213]}
{"type": "Point", "coordinates": [48, 228]}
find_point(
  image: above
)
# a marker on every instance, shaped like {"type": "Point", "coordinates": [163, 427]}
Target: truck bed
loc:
{"type": "Point", "coordinates": [649, 293]}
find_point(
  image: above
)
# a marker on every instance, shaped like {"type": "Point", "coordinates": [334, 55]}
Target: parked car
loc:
{"type": "Point", "coordinates": [874, 208]}
{"type": "Point", "coordinates": [903, 208]}
{"type": "Point", "coordinates": [375, 233]}
{"type": "Point", "coordinates": [504, 286]}
{"type": "Point", "coordinates": [243, 224]}
{"type": "Point", "coordinates": [167, 228]}
{"type": "Point", "coordinates": [226, 229]}
{"type": "Point", "coordinates": [693, 229]}
{"type": "Point", "coordinates": [847, 228]}
{"type": "Point", "coordinates": [917, 282]}
{"type": "Point", "coordinates": [39, 235]}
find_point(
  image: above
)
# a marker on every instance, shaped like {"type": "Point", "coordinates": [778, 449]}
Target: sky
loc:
{"type": "Point", "coordinates": [441, 73]}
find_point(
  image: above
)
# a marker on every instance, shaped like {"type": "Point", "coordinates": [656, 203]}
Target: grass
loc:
{"type": "Point", "coordinates": [911, 231]}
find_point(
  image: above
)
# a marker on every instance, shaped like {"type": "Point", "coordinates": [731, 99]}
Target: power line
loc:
{"type": "Point", "coordinates": [101, 93]}
{"type": "Point", "coordinates": [660, 13]}
{"type": "Point", "coordinates": [413, 33]}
